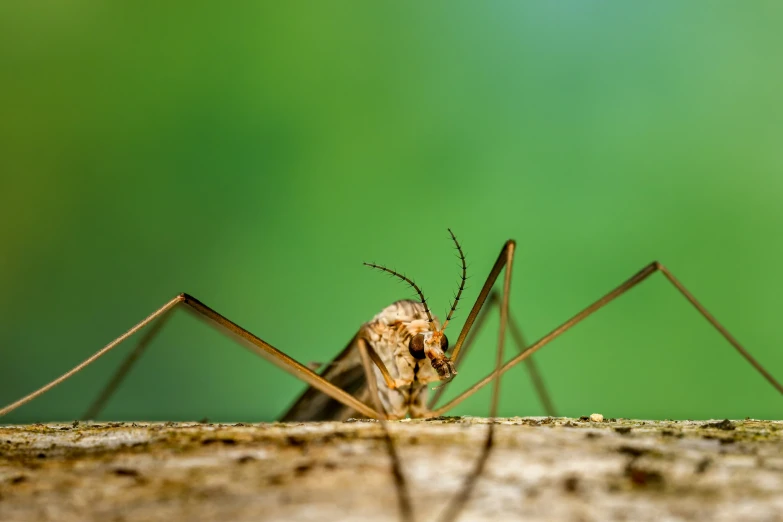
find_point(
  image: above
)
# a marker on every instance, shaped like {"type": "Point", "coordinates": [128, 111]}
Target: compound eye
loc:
{"type": "Point", "coordinates": [416, 346]}
{"type": "Point", "coordinates": [444, 343]}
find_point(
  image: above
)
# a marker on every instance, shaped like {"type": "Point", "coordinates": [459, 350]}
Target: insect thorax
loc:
{"type": "Point", "coordinates": [389, 333]}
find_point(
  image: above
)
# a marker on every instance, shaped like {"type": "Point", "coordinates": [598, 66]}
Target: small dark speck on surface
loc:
{"type": "Point", "coordinates": [126, 472]}
{"type": "Point", "coordinates": [276, 480]}
{"type": "Point", "coordinates": [227, 442]}
{"type": "Point", "coordinates": [632, 451]}
{"type": "Point", "coordinates": [571, 484]}
{"type": "Point", "coordinates": [302, 469]}
{"type": "Point", "coordinates": [725, 424]}
{"type": "Point", "coordinates": [703, 465]}
{"type": "Point", "coordinates": [643, 477]}
{"type": "Point", "coordinates": [623, 430]}
{"type": "Point", "coordinates": [295, 441]}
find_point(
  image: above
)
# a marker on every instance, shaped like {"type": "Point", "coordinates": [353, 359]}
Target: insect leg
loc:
{"type": "Point", "coordinates": [400, 484]}
{"type": "Point", "coordinates": [366, 348]}
{"type": "Point", "coordinates": [501, 261]}
{"type": "Point", "coordinates": [535, 375]}
{"type": "Point", "coordinates": [493, 301]}
{"type": "Point", "coordinates": [40, 391]}
{"type": "Point", "coordinates": [606, 299]}
{"type": "Point", "coordinates": [462, 497]}
{"type": "Point", "coordinates": [111, 387]}
{"type": "Point", "coordinates": [251, 341]}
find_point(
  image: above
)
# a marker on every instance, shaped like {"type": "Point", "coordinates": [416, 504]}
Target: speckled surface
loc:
{"type": "Point", "coordinates": [539, 469]}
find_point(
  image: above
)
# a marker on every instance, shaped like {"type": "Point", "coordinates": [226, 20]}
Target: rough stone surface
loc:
{"type": "Point", "coordinates": [539, 469]}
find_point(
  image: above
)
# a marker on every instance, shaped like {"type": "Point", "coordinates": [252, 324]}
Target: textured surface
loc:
{"type": "Point", "coordinates": [540, 469]}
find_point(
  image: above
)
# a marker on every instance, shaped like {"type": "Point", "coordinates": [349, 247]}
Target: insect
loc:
{"type": "Point", "coordinates": [388, 367]}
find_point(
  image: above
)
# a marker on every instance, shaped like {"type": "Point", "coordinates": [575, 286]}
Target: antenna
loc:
{"type": "Point", "coordinates": [462, 282]}
{"type": "Point", "coordinates": [407, 280]}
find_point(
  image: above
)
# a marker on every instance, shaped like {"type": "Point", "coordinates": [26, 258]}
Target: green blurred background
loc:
{"type": "Point", "coordinates": [254, 155]}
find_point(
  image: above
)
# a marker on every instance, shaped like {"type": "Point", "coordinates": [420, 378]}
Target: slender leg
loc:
{"type": "Point", "coordinates": [400, 484]}
{"type": "Point", "coordinates": [469, 343]}
{"type": "Point", "coordinates": [538, 383]}
{"type": "Point", "coordinates": [609, 297]}
{"type": "Point", "coordinates": [493, 301]}
{"type": "Point", "coordinates": [493, 275]}
{"type": "Point", "coordinates": [376, 359]}
{"type": "Point", "coordinates": [532, 369]}
{"type": "Point", "coordinates": [251, 341]}
{"type": "Point", "coordinates": [111, 387]}
{"type": "Point", "coordinates": [456, 507]}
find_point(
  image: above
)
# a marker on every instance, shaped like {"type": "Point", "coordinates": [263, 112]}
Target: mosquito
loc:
{"type": "Point", "coordinates": [386, 370]}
